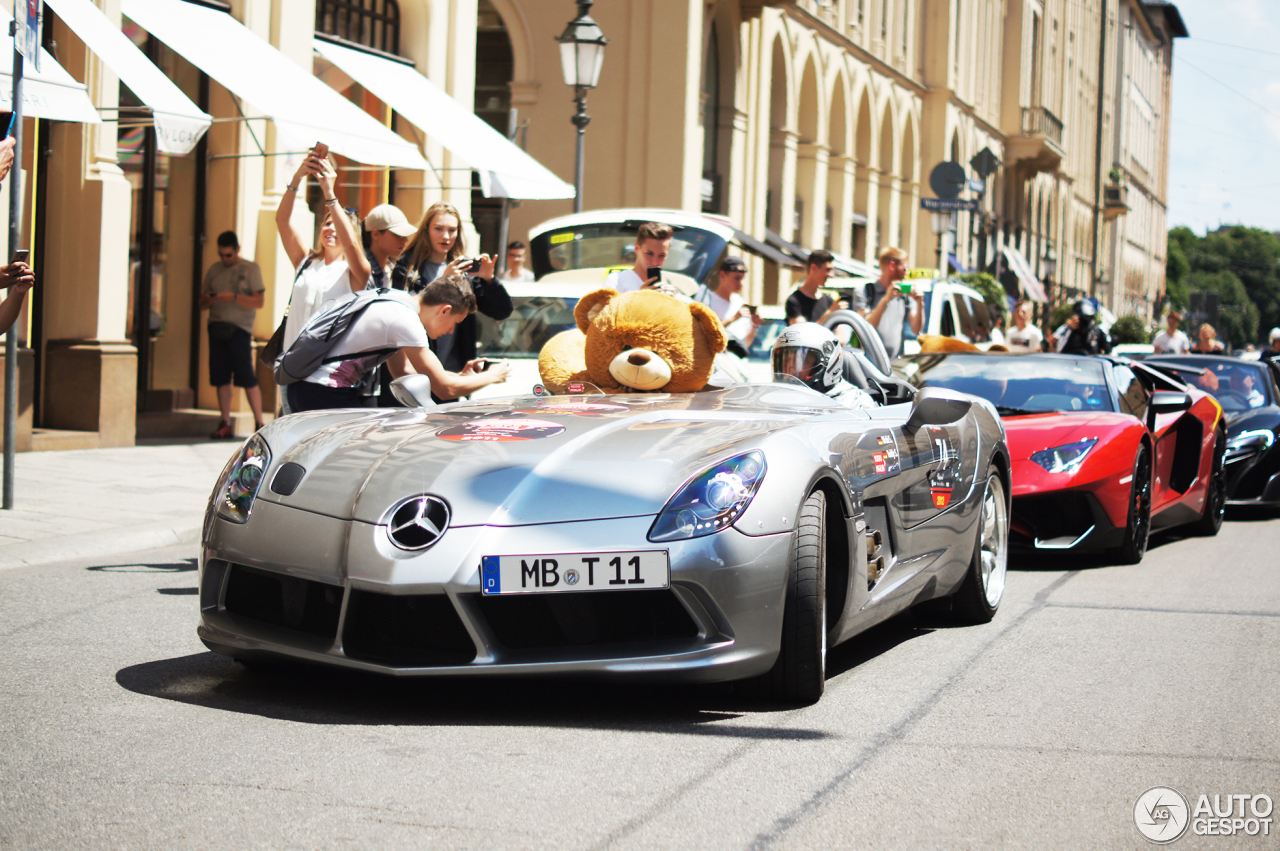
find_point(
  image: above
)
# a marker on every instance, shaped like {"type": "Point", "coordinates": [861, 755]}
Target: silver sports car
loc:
{"type": "Point", "coordinates": [711, 536]}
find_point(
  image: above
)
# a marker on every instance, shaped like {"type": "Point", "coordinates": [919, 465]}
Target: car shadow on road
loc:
{"type": "Point", "coordinates": [315, 695]}
{"type": "Point", "coordinates": [1051, 560]}
{"type": "Point", "coordinates": [1251, 513]}
{"type": "Point", "coordinates": [312, 694]}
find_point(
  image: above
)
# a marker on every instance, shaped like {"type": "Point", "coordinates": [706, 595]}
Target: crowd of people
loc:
{"type": "Point", "coordinates": [424, 320]}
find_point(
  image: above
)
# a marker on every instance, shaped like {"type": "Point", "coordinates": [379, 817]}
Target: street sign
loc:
{"type": "Point", "coordinates": [948, 205]}
{"type": "Point", "coordinates": [27, 40]}
{"type": "Point", "coordinates": [947, 179]}
{"type": "Point", "coordinates": [984, 163]}
{"type": "Point", "coordinates": [976, 185]}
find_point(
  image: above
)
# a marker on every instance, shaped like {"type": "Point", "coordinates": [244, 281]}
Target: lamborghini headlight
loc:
{"type": "Point", "coordinates": [1066, 458]}
{"type": "Point", "coordinates": [241, 482]}
{"type": "Point", "coordinates": [711, 501]}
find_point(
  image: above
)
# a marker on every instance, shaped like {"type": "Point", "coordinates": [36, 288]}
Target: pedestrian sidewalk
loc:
{"type": "Point", "coordinates": [94, 502]}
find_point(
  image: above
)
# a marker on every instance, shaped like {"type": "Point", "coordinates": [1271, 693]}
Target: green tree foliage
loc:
{"type": "Point", "coordinates": [1237, 315]}
{"type": "Point", "coordinates": [1129, 329]}
{"type": "Point", "coordinates": [1061, 313]}
{"type": "Point", "coordinates": [1241, 264]}
{"type": "Point", "coordinates": [992, 292]}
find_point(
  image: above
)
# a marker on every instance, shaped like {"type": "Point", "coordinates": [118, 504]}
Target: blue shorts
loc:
{"type": "Point", "coordinates": [232, 358]}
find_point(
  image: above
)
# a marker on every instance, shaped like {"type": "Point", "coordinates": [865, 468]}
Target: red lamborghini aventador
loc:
{"type": "Point", "coordinates": [1104, 450]}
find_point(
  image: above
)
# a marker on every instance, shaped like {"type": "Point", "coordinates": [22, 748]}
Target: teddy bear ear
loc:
{"type": "Point", "coordinates": [590, 305]}
{"type": "Point", "coordinates": [710, 326]}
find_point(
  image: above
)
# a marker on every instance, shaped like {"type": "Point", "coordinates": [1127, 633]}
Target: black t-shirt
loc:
{"type": "Point", "coordinates": [1269, 355]}
{"type": "Point", "coordinates": [808, 309]}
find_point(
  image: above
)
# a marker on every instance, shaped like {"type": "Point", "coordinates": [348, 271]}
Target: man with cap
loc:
{"type": "Point", "coordinates": [739, 320]}
{"type": "Point", "coordinates": [1271, 354]}
{"type": "Point", "coordinates": [387, 231]}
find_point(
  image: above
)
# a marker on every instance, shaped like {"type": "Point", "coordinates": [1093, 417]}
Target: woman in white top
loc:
{"type": "Point", "coordinates": [336, 266]}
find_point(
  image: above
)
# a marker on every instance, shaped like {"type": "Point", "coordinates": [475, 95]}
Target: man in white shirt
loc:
{"type": "Point", "coordinates": [398, 322]}
{"type": "Point", "coordinates": [515, 272]}
{"type": "Point", "coordinates": [1171, 341]}
{"type": "Point", "coordinates": [726, 302]}
{"type": "Point", "coordinates": [1023, 337]}
{"type": "Point", "coordinates": [653, 244]}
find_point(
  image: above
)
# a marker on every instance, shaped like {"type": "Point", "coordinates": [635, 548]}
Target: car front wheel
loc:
{"type": "Point", "coordinates": [1138, 529]}
{"type": "Point", "coordinates": [799, 675]}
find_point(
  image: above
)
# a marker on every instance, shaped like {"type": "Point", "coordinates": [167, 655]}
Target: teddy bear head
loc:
{"type": "Point", "coordinates": [648, 340]}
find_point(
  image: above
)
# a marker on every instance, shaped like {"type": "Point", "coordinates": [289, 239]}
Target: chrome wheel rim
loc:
{"type": "Point", "coordinates": [993, 555]}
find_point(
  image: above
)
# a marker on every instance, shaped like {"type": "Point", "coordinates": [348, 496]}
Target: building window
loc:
{"type": "Point", "coordinates": [371, 23]}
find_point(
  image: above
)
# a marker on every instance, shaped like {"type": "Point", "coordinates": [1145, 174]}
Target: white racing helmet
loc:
{"type": "Point", "coordinates": [811, 353]}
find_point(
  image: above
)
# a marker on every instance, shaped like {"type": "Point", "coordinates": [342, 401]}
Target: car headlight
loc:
{"type": "Point", "coordinates": [1066, 458]}
{"type": "Point", "coordinates": [1247, 442]}
{"type": "Point", "coordinates": [711, 501]}
{"type": "Point", "coordinates": [240, 484]}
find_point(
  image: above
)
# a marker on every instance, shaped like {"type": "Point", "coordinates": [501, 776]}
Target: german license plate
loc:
{"type": "Point", "coordinates": [541, 574]}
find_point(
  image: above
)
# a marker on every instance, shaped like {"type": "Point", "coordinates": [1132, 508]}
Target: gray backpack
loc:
{"type": "Point", "coordinates": [324, 331]}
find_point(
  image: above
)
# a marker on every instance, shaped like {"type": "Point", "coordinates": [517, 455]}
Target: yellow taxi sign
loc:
{"type": "Point", "coordinates": [912, 274]}
{"type": "Point", "coordinates": [557, 238]}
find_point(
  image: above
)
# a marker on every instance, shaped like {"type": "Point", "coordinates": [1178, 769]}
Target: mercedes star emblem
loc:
{"type": "Point", "coordinates": [418, 522]}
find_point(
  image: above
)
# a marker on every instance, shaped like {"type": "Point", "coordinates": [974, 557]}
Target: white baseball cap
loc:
{"type": "Point", "coordinates": [389, 217]}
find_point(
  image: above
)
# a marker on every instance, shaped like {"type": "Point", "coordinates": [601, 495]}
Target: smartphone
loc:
{"type": "Point", "coordinates": [653, 272]}
{"type": "Point", "coordinates": [8, 130]}
{"type": "Point", "coordinates": [751, 308]}
{"type": "Point", "coordinates": [20, 256]}
{"type": "Point", "coordinates": [321, 150]}
{"type": "Point", "coordinates": [485, 364]}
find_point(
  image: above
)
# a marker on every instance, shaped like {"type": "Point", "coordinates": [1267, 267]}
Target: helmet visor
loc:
{"type": "Point", "coordinates": [803, 362]}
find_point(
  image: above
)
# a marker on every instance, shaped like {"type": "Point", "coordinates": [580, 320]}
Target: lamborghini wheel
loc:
{"type": "Point", "coordinates": [1215, 497]}
{"type": "Point", "coordinates": [983, 587]}
{"type": "Point", "coordinates": [799, 675]}
{"type": "Point", "coordinates": [1138, 529]}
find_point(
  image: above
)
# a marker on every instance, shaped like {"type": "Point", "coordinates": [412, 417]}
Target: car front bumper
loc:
{"type": "Point", "coordinates": [294, 584]}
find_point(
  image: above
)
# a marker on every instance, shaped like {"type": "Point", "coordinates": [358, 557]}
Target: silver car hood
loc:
{"type": "Point", "coordinates": [518, 461]}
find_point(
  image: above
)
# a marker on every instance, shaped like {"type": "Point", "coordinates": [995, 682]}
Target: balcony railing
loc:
{"type": "Point", "coordinates": [1038, 121]}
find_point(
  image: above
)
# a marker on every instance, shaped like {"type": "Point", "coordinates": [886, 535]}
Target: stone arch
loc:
{"type": "Point", "coordinates": [524, 70]}
{"type": "Point", "coordinates": [840, 176]}
{"type": "Point", "coordinates": [807, 207]}
{"type": "Point", "coordinates": [863, 145]}
{"type": "Point", "coordinates": [907, 162]}
{"type": "Point", "coordinates": [780, 100]}
{"type": "Point", "coordinates": [886, 214]}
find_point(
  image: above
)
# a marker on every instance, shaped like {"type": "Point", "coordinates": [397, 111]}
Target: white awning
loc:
{"type": "Point", "coordinates": [52, 94]}
{"type": "Point", "coordinates": [179, 122]}
{"type": "Point", "coordinates": [305, 110]}
{"type": "Point", "coordinates": [505, 170]}
{"type": "Point", "coordinates": [1031, 286]}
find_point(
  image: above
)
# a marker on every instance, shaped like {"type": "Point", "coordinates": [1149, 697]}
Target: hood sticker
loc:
{"type": "Point", "coordinates": [571, 408]}
{"type": "Point", "coordinates": [502, 430]}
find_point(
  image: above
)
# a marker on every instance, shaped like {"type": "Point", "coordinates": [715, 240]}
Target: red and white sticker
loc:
{"type": "Point", "coordinates": [572, 408]}
{"type": "Point", "coordinates": [502, 430]}
{"type": "Point", "coordinates": [881, 461]}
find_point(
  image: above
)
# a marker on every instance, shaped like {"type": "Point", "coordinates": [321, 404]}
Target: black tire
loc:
{"type": "Point", "coordinates": [1215, 499]}
{"type": "Point", "coordinates": [799, 675]}
{"type": "Point", "coordinates": [983, 588]}
{"type": "Point", "coordinates": [1137, 529]}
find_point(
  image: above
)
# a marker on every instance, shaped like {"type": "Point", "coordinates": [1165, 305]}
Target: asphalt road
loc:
{"type": "Point", "coordinates": [1039, 730]}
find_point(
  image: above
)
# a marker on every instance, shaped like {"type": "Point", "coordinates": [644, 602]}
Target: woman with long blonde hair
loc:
{"type": "Point", "coordinates": [439, 248]}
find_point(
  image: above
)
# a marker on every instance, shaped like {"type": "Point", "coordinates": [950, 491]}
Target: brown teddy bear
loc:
{"type": "Point", "coordinates": [642, 340]}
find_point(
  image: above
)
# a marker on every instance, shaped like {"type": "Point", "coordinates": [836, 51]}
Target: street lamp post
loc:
{"type": "Point", "coordinates": [581, 55]}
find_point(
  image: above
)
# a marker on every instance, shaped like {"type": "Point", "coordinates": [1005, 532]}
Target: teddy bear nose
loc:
{"type": "Point", "coordinates": [638, 358]}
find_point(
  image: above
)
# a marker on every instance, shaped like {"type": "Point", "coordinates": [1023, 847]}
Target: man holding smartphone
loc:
{"type": "Point", "coordinates": [888, 307]}
{"type": "Point", "coordinates": [653, 244]}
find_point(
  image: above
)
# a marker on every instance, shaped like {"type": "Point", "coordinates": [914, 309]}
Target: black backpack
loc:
{"type": "Point", "coordinates": [324, 331]}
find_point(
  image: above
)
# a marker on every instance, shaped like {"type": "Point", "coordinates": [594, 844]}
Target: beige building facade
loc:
{"type": "Point", "coordinates": [815, 122]}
